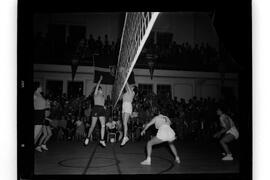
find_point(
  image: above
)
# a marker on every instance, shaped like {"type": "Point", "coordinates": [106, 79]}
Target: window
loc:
{"type": "Point", "coordinates": [54, 88]}
{"type": "Point", "coordinates": [164, 90]}
{"type": "Point", "coordinates": [75, 89]}
{"type": "Point", "coordinates": [146, 88]}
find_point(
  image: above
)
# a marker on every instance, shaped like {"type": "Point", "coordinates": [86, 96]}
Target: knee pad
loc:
{"type": "Point", "coordinates": [102, 125]}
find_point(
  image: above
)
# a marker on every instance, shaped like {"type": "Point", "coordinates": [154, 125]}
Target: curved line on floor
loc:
{"type": "Point", "coordinates": [62, 163]}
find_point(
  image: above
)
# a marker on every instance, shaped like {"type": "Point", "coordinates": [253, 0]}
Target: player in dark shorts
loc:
{"type": "Point", "coordinates": [46, 131]}
{"type": "Point", "coordinates": [98, 112]}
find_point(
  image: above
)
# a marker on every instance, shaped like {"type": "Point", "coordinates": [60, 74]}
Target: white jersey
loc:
{"type": "Point", "coordinates": [39, 102]}
{"type": "Point", "coordinates": [128, 96]}
{"type": "Point", "coordinates": [161, 120]}
{"type": "Point", "coordinates": [165, 132]}
{"type": "Point", "coordinates": [225, 121]}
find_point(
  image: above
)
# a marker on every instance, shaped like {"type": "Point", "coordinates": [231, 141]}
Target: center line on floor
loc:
{"type": "Point", "coordinates": [116, 159]}
{"type": "Point", "coordinates": [90, 160]}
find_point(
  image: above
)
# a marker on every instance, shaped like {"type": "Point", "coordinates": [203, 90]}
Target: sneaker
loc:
{"type": "Point", "coordinates": [86, 141]}
{"type": "Point", "coordinates": [38, 148]}
{"type": "Point", "coordinates": [177, 160]}
{"type": "Point", "coordinates": [102, 142]}
{"type": "Point", "coordinates": [125, 140]}
{"type": "Point", "coordinates": [43, 146]}
{"type": "Point", "coordinates": [228, 157]}
{"type": "Point", "coordinates": [146, 162]}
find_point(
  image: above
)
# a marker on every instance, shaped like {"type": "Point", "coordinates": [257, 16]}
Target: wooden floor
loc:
{"type": "Point", "coordinates": [71, 157]}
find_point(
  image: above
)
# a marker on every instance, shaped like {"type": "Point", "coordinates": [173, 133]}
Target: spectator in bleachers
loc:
{"type": "Point", "coordinates": [111, 126]}
{"type": "Point", "coordinates": [91, 43]}
{"type": "Point", "coordinates": [99, 45]}
{"type": "Point", "coordinates": [80, 129]}
{"type": "Point", "coordinates": [71, 128]}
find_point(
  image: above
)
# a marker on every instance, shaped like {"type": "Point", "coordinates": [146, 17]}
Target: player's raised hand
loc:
{"type": "Point", "coordinates": [101, 77]}
{"type": "Point", "coordinates": [143, 132]}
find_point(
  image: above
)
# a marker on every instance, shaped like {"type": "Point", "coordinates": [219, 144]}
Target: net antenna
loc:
{"type": "Point", "coordinates": [137, 27]}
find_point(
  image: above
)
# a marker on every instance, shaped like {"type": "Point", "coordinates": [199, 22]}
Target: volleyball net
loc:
{"type": "Point", "coordinates": [137, 27]}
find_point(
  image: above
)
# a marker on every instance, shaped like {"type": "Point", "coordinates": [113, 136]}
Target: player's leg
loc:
{"type": "Point", "coordinates": [49, 134]}
{"type": "Point", "coordinates": [93, 124]}
{"type": "Point", "coordinates": [125, 121]}
{"type": "Point", "coordinates": [174, 151]}
{"type": "Point", "coordinates": [149, 145]}
{"type": "Point", "coordinates": [224, 143]}
{"type": "Point", "coordinates": [102, 130]}
{"type": "Point", "coordinates": [37, 133]}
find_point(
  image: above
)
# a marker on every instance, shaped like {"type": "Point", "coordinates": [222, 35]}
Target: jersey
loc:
{"type": "Point", "coordinates": [161, 120]}
{"type": "Point", "coordinates": [39, 102]}
{"type": "Point", "coordinates": [99, 100]}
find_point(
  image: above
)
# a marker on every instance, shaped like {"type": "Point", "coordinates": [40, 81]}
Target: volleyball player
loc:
{"type": "Point", "coordinates": [127, 110]}
{"type": "Point", "coordinates": [228, 133]}
{"type": "Point", "coordinates": [39, 114]}
{"type": "Point", "coordinates": [164, 134]}
{"type": "Point", "coordinates": [98, 112]}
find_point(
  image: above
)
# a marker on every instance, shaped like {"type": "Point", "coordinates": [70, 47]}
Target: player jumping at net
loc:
{"type": "Point", "coordinates": [127, 110]}
{"type": "Point", "coordinates": [228, 133]}
{"type": "Point", "coordinates": [165, 134]}
{"type": "Point", "coordinates": [98, 112]}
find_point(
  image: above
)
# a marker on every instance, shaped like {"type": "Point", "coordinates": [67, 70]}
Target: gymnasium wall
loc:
{"type": "Point", "coordinates": [184, 84]}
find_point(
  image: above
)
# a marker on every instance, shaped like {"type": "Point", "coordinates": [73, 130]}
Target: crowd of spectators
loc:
{"type": "Point", "coordinates": [47, 49]}
{"type": "Point", "coordinates": [192, 120]}
{"type": "Point", "coordinates": [200, 57]}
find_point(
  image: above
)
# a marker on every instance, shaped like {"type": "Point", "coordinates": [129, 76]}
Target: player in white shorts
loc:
{"type": "Point", "coordinates": [230, 133]}
{"type": "Point", "coordinates": [165, 134]}
{"type": "Point", "coordinates": [127, 110]}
